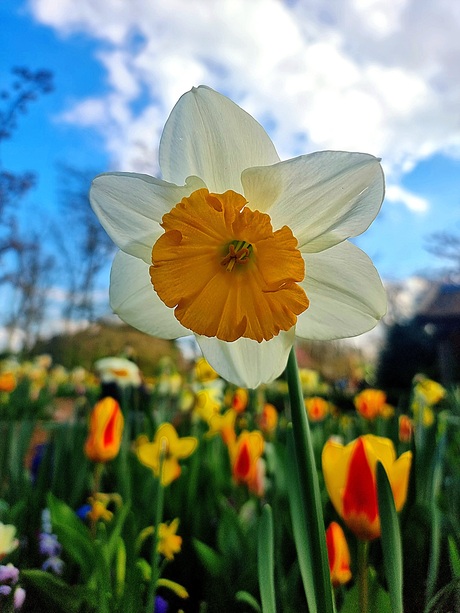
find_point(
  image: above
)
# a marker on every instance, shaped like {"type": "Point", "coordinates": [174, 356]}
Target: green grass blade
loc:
{"type": "Point", "coordinates": [391, 539]}
{"type": "Point", "coordinates": [265, 561]}
{"type": "Point", "coordinates": [309, 530]}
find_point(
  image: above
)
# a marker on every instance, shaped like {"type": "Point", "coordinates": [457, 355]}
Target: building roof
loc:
{"type": "Point", "coordinates": [441, 304]}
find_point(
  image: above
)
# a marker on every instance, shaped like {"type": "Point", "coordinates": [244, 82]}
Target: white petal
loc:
{"type": "Point", "coordinates": [134, 300]}
{"type": "Point", "coordinates": [131, 206]}
{"type": "Point", "coordinates": [324, 197]}
{"type": "Point", "coordinates": [246, 362]}
{"type": "Point", "coordinates": [209, 136]}
{"type": "Point", "coordinates": [345, 292]}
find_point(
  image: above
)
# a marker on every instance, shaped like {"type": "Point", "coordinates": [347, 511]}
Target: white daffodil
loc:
{"type": "Point", "coordinates": [118, 370]}
{"type": "Point", "coordinates": [239, 248]}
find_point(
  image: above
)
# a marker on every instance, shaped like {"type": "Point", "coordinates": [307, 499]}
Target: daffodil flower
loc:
{"type": "Point", "coordinates": [169, 543]}
{"type": "Point", "coordinates": [165, 451]}
{"type": "Point", "coordinates": [239, 248]}
{"type": "Point", "coordinates": [8, 540]}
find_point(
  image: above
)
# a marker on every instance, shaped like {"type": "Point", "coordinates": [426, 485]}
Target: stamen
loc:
{"type": "Point", "coordinates": [236, 257]}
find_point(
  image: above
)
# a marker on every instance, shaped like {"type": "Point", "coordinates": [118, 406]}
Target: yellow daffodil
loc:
{"type": "Point", "coordinates": [428, 391]}
{"type": "Point", "coordinates": [105, 431]}
{"type": "Point", "coordinates": [350, 477]}
{"type": "Point", "coordinates": [169, 543]}
{"type": "Point", "coordinates": [204, 372]}
{"type": "Point", "coordinates": [165, 451]}
{"type": "Point", "coordinates": [207, 404]}
{"type": "Point", "coordinates": [338, 554]}
{"type": "Point", "coordinates": [8, 540]}
{"type": "Point", "coordinates": [239, 248]}
{"type": "Point", "coordinates": [99, 511]}
{"type": "Point", "coordinates": [223, 425]}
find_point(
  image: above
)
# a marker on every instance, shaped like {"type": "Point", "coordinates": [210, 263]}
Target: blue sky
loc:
{"type": "Point", "coordinates": [361, 75]}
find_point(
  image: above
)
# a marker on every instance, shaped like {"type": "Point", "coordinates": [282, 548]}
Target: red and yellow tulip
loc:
{"type": "Point", "coordinates": [350, 477]}
{"type": "Point", "coordinates": [338, 554]}
{"type": "Point", "coordinates": [245, 456]}
{"type": "Point", "coordinates": [240, 399]}
{"type": "Point", "coordinates": [105, 431]}
{"type": "Point", "coordinates": [406, 428]}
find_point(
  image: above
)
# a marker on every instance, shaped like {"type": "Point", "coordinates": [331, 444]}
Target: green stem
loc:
{"type": "Point", "coordinates": [155, 555]}
{"type": "Point", "coordinates": [309, 497]}
{"type": "Point", "coordinates": [363, 576]}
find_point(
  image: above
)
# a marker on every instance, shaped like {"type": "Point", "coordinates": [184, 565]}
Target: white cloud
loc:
{"type": "Point", "coordinates": [362, 75]}
{"type": "Point", "coordinates": [396, 193]}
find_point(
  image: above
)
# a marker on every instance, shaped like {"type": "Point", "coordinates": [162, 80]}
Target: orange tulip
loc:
{"type": "Point", "coordinates": [268, 419]}
{"type": "Point", "coordinates": [7, 382]}
{"type": "Point", "coordinates": [406, 428]}
{"type": "Point", "coordinates": [317, 408]}
{"type": "Point", "coordinates": [350, 477]}
{"type": "Point", "coordinates": [370, 402]}
{"type": "Point", "coordinates": [105, 431]}
{"type": "Point", "coordinates": [338, 554]}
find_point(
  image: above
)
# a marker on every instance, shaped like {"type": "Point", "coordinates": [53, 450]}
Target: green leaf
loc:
{"type": "Point", "coordinates": [454, 556]}
{"type": "Point", "coordinates": [248, 599]}
{"type": "Point", "coordinates": [231, 540]}
{"type": "Point", "coordinates": [117, 526]}
{"type": "Point", "coordinates": [436, 517]}
{"type": "Point", "coordinates": [390, 539]}
{"type": "Point", "coordinates": [265, 561]}
{"type": "Point", "coordinates": [73, 535]}
{"type": "Point", "coordinates": [58, 593]}
{"type": "Point", "coordinates": [211, 560]}
{"type": "Point", "coordinates": [305, 502]}
{"type": "Point", "coordinates": [379, 600]}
